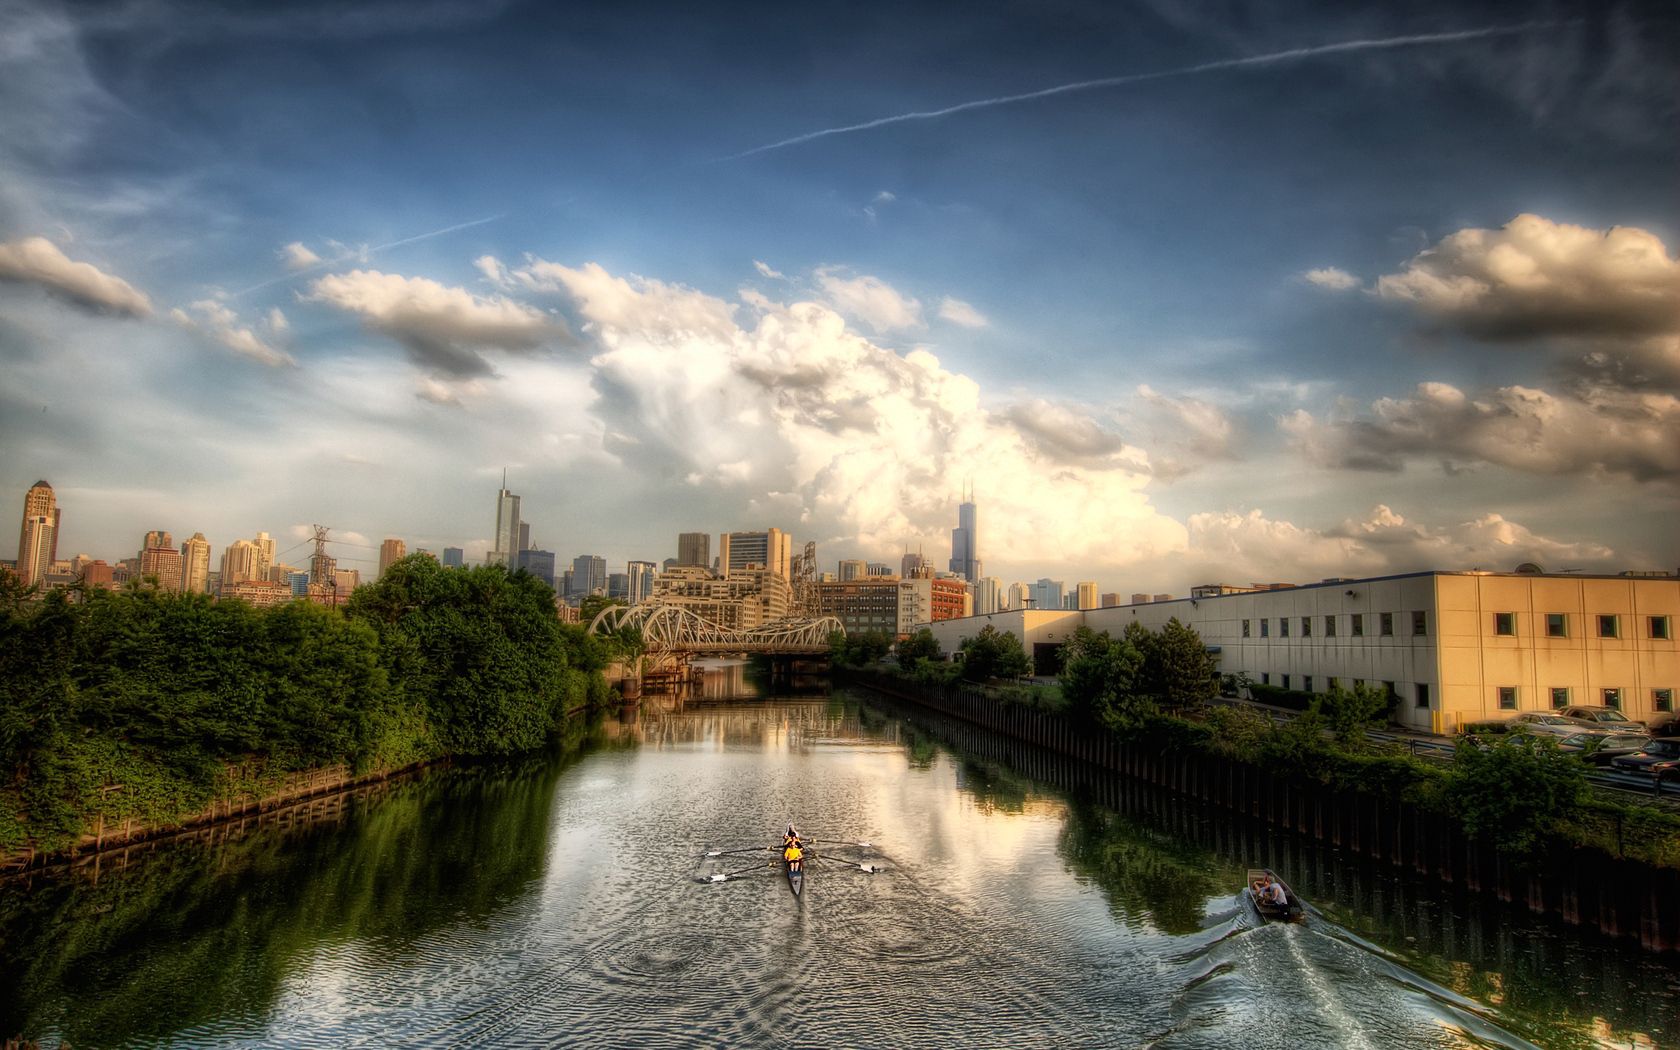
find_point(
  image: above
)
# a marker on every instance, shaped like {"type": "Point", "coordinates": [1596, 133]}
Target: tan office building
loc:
{"type": "Point", "coordinates": [1454, 646]}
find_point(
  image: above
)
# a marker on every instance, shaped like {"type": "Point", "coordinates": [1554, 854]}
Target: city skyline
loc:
{"type": "Point", "coordinates": [1289, 293]}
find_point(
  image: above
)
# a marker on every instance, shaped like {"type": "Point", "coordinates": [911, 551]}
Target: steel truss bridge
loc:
{"type": "Point", "coordinates": [672, 635]}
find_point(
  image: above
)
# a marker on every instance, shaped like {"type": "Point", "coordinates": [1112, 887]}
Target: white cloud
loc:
{"type": "Point", "coordinates": [958, 312]}
{"type": "Point", "coordinates": [277, 322]}
{"type": "Point", "coordinates": [885, 197]}
{"type": "Point", "coordinates": [443, 327]}
{"type": "Point", "coordinates": [37, 261]}
{"type": "Point", "coordinates": [1189, 432]}
{"type": "Point", "coordinates": [298, 257]}
{"type": "Point", "coordinates": [1601, 431]}
{"type": "Point", "coordinates": [870, 300]}
{"type": "Point", "coordinates": [790, 408]}
{"type": "Point", "coordinates": [492, 269]}
{"type": "Point", "coordinates": [216, 322]}
{"type": "Point", "coordinates": [765, 270]}
{"type": "Point", "coordinates": [1249, 547]}
{"type": "Point", "coordinates": [1534, 278]}
{"type": "Point", "coordinates": [1331, 278]}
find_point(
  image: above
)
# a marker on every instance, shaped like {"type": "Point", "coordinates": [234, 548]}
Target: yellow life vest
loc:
{"type": "Point", "coordinates": [793, 853]}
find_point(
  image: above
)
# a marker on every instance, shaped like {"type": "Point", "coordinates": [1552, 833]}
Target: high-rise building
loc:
{"type": "Point", "coordinates": [506, 544]}
{"type": "Point", "coordinates": [524, 535]}
{"type": "Point", "coordinates": [589, 575]}
{"type": "Point", "coordinates": [162, 564]}
{"type": "Point", "coordinates": [618, 585]}
{"type": "Point", "coordinates": [1047, 594]}
{"type": "Point", "coordinates": [1087, 594]}
{"type": "Point", "coordinates": [98, 575]}
{"type": "Point", "coordinates": [158, 538]}
{"type": "Point", "coordinates": [195, 565]}
{"type": "Point", "coordinates": [454, 558]}
{"type": "Point", "coordinates": [965, 541]}
{"type": "Point", "coordinates": [694, 548]}
{"type": "Point", "coordinates": [740, 600]}
{"type": "Point", "coordinates": [1019, 595]}
{"type": "Point", "coordinates": [988, 595]}
{"type": "Point", "coordinates": [771, 549]}
{"type": "Point", "coordinates": [390, 552]}
{"type": "Point", "coordinates": [853, 569]}
{"type": "Point", "coordinates": [641, 575]}
{"type": "Point", "coordinates": [38, 539]}
{"type": "Point", "coordinates": [265, 554]}
{"type": "Point", "coordinates": [538, 563]}
{"type": "Point", "coordinates": [1110, 599]}
{"type": "Point", "coordinates": [240, 561]}
{"type": "Point", "coordinates": [879, 568]}
{"type": "Point", "coordinates": [1140, 598]}
{"type": "Point", "coordinates": [913, 565]}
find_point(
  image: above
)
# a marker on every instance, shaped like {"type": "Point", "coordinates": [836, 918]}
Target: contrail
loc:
{"type": "Point", "coordinates": [1136, 78]}
{"type": "Point", "coordinates": [366, 251]}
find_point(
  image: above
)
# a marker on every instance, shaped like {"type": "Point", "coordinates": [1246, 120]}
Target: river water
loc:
{"type": "Point", "coordinates": [560, 901]}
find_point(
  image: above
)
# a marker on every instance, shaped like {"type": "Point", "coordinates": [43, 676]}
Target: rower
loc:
{"type": "Point", "coordinates": [794, 856]}
{"type": "Point", "coordinates": [791, 838]}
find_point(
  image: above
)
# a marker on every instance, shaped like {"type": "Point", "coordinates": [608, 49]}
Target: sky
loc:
{"type": "Point", "coordinates": [1187, 293]}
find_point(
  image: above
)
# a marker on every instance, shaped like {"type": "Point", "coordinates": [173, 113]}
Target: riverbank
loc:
{"type": "Point", "coordinates": [1619, 896]}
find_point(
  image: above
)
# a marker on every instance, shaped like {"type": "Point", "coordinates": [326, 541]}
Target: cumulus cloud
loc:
{"type": "Point", "coordinates": [1188, 432]}
{"type": "Point", "coordinates": [277, 322]}
{"type": "Point", "coordinates": [960, 313]}
{"type": "Point", "coordinates": [1603, 431]}
{"type": "Point", "coordinates": [870, 300]}
{"type": "Point", "coordinates": [297, 256]}
{"type": "Point", "coordinates": [215, 322]}
{"type": "Point", "coordinates": [37, 261]}
{"type": "Point", "coordinates": [786, 405]}
{"type": "Point", "coordinates": [1331, 278]}
{"type": "Point", "coordinates": [1251, 547]}
{"type": "Point", "coordinates": [1535, 278]}
{"type": "Point", "coordinates": [444, 328]}
{"type": "Point", "coordinates": [765, 270]}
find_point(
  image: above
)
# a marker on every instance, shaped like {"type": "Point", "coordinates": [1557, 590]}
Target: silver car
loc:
{"type": "Point", "coordinates": [1550, 724]}
{"type": "Point", "coordinates": [1603, 718]}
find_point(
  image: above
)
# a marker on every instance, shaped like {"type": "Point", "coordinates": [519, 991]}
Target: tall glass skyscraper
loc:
{"type": "Point", "coordinates": [965, 541]}
{"type": "Point", "coordinates": [506, 547]}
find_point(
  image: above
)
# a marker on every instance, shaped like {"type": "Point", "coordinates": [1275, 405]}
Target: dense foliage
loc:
{"type": "Point", "coordinates": [858, 648]}
{"type": "Point", "coordinates": [1512, 789]}
{"type": "Point", "coordinates": [994, 654]}
{"type": "Point", "coordinates": [147, 706]}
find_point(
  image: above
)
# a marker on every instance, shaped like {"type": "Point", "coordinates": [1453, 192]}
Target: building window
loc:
{"type": "Point", "coordinates": [1560, 697]}
{"type": "Point", "coordinates": [1507, 698]}
{"type": "Point", "coordinates": [1385, 624]}
{"type": "Point", "coordinates": [1607, 627]}
{"type": "Point", "coordinates": [1265, 628]}
{"type": "Point", "coordinates": [1659, 627]}
{"type": "Point", "coordinates": [1245, 628]}
{"type": "Point", "coordinates": [1329, 627]}
{"type": "Point", "coordinates": [1557, 625]}
{"type": "Point", "coordinates": [1331, 684]}
{"type": "Point", "coordinates": [1358, 628]}
{"type": "Point", "coordinates": [1420, 625]}
{"type": "Point", "coordinates": [1662, 699]}
{"type": "Point", "coordinates": [1423, 694]}
{"type": "Point", "coordinates": [1306, 627]}
{"type": "Point", "coordinates": [1283, 627]}
{"type": "Point", "coordinates": [1306, 682]}
{"type": "Point", "coordinates": [1265, 678]}
{"type": "Point", "coordinates": [1390, 692]}
{"type": "Point", "coordinates": [1505, 624]}
{"type": "Point", "coordinates": [1613, 698]}
{"type": "Point", "coordinates": [1286, 681]}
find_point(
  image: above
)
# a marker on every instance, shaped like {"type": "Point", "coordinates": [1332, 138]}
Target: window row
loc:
{"type": "Point", "coordinates": [1662, 700]}
{"type": "Point", "coordinates": [1609, 625]}
{"type": "Point", "coordinates": [1355, 625]}
{"type": "Point", "coordinates": [1420, 690]}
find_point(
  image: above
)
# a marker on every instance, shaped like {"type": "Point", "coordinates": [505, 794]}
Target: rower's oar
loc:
{"type": "Point", "coordinates": [727, 875]}
{"type": "Point", "coordinates": [867, 869]}
{"type": "Point", "coordinates": [842, 842]}
{"type": "Point", "coordinates": [732, 852]}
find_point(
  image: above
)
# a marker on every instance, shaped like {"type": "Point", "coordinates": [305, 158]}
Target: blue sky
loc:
{"type": "Point", "coordinates": [1330, 291]}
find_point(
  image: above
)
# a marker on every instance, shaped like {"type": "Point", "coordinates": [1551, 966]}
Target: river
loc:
{"type": "Point", "coordinates": [560, 901]}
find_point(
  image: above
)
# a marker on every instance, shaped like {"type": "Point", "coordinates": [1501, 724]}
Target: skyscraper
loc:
{"type": "Point", "coordinates": [852, 569]}
{"type": "Point", "coordinates": [694, 548]}
{"type": "Point", "coordinates": [239, 564]}
{"type": "Point", "coordinates": [454, 558]}
{"type": "Point", "coordinates": [641, 575]}
{"type": "Point", "coordinates": [1047, 594]}
{"type": "Point", "coordinates": [913, 565]}
{"type": "Point", "coordinates": [965, 541]}
{"type": "Point", "coordinates": [771, 549]}
{"type": "Point", "coordinates": [538, 563]}
{"type": "Point", "coordinates": [391, 552]}
{"type": "Point", "coordinates": [524, 536]}
{"type": "Point", "coordinates": [161, 561]}
{"type": "Point", "coordinates": [507, 527]}
{"type": "Point", "coordinates": [158, 538]}
{"type": "Point", "coordinates": [38, 539]}
{"type": "Point", "coordinates": [265, 555]}
{"type": "Point", "coordinates": [1087, 591]}
{"type": "Point", "coordinates": [195, 565]}
{"type": "Point", "coordinates": [589, 574]}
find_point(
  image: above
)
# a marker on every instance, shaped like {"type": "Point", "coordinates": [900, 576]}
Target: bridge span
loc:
{"type": "Point", "coordinates": [672, 635]}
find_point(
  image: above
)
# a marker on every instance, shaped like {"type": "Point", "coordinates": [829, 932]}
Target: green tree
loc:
{"type": "Point", "coordinates": [1514, 790]}
{"type": "Point", "coordinates": [591, 606]}
{"type": "Point", "coordinates": [1353, 711]}
{"type": "Point", "coordinates": [920, 646]}
{"type": "Point", "coordinates": [858, 648]}
{"type": "Point", "coordinates": [993, 654]}
{"type": "Point", "coordinates": [1099, 678]}
{"type": "Point", "coordinates": [1177, 668]}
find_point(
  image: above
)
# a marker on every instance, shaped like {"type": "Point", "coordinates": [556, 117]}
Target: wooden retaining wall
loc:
{"type": "Point", "coordinates": [1620, 897]}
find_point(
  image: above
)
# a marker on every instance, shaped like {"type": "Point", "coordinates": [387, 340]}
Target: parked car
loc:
{"type": "Point", "coordinates": [1599, 748]}
{"type": "Point", "coordinates": [1660, 758]}
{"type": "Point", "coordinates": [1603, 717]}
{"type": "Point", "coordinates": [1666, 724]}
{"type": "Point", "coordinates": [1551, 723]}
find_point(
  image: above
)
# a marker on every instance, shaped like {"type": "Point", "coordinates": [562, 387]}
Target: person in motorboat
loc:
{"type": "Point", "coordinates": [1269, 891]}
